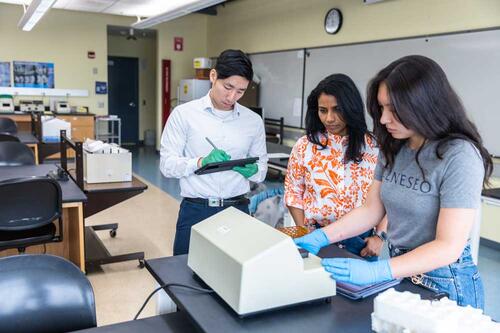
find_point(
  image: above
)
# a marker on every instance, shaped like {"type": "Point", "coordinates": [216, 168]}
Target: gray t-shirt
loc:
{"type": "Point", "coordinates": [412, 203]}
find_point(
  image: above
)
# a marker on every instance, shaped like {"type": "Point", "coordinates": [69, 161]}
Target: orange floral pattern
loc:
{"type": "Point", "coordinates": [320, 183]}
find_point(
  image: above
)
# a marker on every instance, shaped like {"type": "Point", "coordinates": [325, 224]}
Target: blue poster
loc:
{"type": "Point", "coordinates": [101, 88]}
{"type": "Point", "coordinates": [30, 74]}
{"type": "Point", "coordinates": [5, 74]}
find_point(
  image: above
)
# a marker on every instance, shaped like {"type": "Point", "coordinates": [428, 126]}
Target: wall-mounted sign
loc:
{"type": "Point", "coordinates": [178, 43]}
{"type": "Point", "coordinates": [101, 88]}
{"type": "Point", "coordinates": [29, 74]}
{"type": "Point", "coordinates": [91, 54]}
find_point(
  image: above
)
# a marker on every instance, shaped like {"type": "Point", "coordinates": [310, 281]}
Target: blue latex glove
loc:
{"type": "Point", "coordinates": [358, 271]}
{"type": "Point", "coordinates": [313, 242]}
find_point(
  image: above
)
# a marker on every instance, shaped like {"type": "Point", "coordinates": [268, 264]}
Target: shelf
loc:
{"type": "Point", "coordinates": [113, 132]}
{"type": "Point", "coordinates": [44, 92]}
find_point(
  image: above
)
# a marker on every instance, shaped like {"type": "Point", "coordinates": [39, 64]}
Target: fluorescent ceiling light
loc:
{"type": "Point", "coordinates": [34, 13]}
{"type": "Point", "coordinates": [175, 11]}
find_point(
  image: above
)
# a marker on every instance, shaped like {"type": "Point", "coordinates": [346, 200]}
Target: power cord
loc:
{"type": "Point", "coordinates": [203, 290]}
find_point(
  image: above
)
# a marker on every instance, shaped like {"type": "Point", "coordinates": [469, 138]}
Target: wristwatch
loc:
{"type": "Point", "coordinates": [381, 234]}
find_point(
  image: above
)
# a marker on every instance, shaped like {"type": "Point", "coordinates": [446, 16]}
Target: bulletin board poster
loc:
{"type": "Point", "coordinates": [29, 74]}
{"type": "Point", "coordinates": [5, 74]}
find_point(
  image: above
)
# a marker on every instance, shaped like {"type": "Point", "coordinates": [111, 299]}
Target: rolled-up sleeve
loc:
{"type": "Point", "coordinates": [173, 142]}
{"type": "Point", "coordinates": [258, 149]}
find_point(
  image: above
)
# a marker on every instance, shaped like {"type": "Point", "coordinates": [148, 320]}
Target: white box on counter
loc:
{"type": "Point", "coordinates": [107, 168]}
{"type": "Point", "coordinates": [51, 129]}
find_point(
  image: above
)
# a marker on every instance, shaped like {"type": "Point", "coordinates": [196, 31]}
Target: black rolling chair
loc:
{"type": "Point", "coordinates": [7, 125]}
{"type": "Point", "coordinates": [28, 209]}
{"type": "Point", "coordinates": [15, 154]}
{"type": "Point", "coordinates": [44, 294]}
{"type": "Point", "coordinates": [5, 137]}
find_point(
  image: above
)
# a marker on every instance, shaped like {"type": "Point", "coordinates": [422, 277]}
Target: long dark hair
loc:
{"type": "Point", "coordinates": [351, 109]}
{"type": "Point", "coordinates": [424, 102]}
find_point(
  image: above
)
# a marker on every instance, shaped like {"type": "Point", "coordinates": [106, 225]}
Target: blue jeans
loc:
{"type": "Point", "coordinates": [356, 244]}
{"type": "Point", "coordinates": [460, 280]}
{"type": "Point", "coordinates": [191, 213]}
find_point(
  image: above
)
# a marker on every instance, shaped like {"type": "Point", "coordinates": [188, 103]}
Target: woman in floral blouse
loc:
{"type": "Point", "coordinates": [331, 168]}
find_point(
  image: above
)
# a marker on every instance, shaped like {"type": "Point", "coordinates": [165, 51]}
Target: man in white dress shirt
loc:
{"type": "Point", "coordinates": [236, 131]}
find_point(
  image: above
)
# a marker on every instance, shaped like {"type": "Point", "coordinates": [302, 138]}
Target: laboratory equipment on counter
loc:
{"type": "Point", "coordinates": [6, 103]}
{"type": "Point", "coordinates": [62, 107]}
{"type": "Point", "coordinates": [26, 106]}
{"type": "Point", "coordinates": [31, 106]}
{"type": "Point", "coordinates": [252, 266]}
{"type": "Point", "coordinates": [38, 106]}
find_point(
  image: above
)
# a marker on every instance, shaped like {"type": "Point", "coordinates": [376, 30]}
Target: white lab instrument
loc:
{"type": "Point", "coordinates": [25, 106]}
{"type": "Point", "coordinates": [62, 107]}
{"type": "Point", "coordinates": [252, 266]}
{"type": "Point", "coordinates": [400, 312]}
{"type": "Point", "coordinates": [6, 103]}
{"type": "Point", "coordinates": [31, 106]}
{"type": "Point", "coordinates": [106, 162]}
{"type": "Point", "coordinates": [191, 89]}
{"type": "Point", "coordinates": [38, 106]}
{"type": "Point", "coordinates": [51, 129]}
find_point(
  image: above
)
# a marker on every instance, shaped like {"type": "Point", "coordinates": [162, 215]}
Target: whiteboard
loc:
{"type": "Point", "coordinates": [281, 75]}
{"type": "Point", "coordinates": [470, 60]}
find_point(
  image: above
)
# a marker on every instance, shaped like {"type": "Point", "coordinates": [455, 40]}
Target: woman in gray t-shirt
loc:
{"type": "Point", "coordinates": [428, 180]}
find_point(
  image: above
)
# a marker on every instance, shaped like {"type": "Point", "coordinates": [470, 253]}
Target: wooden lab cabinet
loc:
{"type": "Point", "coordinates": [82, 126]}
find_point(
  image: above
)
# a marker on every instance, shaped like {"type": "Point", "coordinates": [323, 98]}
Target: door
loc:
{"type": "Point", "coordinates": [123, 95]}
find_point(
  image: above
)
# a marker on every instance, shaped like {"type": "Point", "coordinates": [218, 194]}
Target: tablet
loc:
{"type": "Point", "coordinates": [353, 291]}
{"type": "Point", "coordinates": [224, 166]}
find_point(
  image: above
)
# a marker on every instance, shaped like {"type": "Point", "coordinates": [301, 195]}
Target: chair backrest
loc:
{"type": "Point", "coordinates": [44, 293]}
{"type": "Point", "coordinates": [7, 125]}
{"type": "Point", "coordinates": [29, 203]}
{"type": "Point", "coordinates": [280, 123]}
{"type": "Point", "coordinates": [15, 153]}
{"type": "Point", "coordinates": [8, 137]}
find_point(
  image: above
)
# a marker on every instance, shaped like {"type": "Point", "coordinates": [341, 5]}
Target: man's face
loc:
{"type": "Point", "coordinates": [226, 92]}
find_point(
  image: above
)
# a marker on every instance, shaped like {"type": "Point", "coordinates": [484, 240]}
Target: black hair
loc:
{"type": "Point", "coordinates": [351, 109]}
{"type": "Point", "coordinates": [424, 102]}
{"type": "Point", "coordinates": [234, 62]}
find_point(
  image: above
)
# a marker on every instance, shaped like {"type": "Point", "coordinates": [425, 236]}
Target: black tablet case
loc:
{"type": "Point", "coordinates": [224, 166]}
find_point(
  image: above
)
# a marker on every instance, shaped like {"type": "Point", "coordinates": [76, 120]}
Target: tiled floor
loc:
{"type": "Point", "coordinates": [145, 164]}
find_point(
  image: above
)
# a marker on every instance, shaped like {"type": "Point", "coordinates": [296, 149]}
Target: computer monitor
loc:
{"type": "Point", "coordinates": [252, 266]}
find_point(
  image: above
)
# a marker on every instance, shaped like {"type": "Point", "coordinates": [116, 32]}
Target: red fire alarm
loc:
{"type": "Point", "coordinates": [178, 43]}
{"type": "Point", "coordinates": [91, 54]}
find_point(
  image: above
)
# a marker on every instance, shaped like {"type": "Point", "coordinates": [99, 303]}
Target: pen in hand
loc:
{"type": "Point", "coordinates": [216, 155]}
{"type": "Point", "coordinates": [211, 143]}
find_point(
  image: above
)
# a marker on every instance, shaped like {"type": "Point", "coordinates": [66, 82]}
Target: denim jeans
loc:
{"type": "Point", "coordinates": [460, 280]}
{"type": "Point", "coordinates": [356, 244]}
{"type": "Point", "coordinates": [191, 213]}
